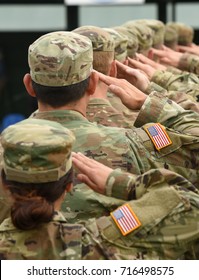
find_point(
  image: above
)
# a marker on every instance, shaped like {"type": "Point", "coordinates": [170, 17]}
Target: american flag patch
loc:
{"type": "Point", "coordinates": [158, 135]}
{"type": "Point", "coordinates": [125, 219]}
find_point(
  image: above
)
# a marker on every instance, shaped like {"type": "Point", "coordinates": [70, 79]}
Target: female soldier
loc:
{"type": "Point", "coordinates": [37, 172]}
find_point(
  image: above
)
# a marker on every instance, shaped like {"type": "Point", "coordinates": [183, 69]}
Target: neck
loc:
{"type": "Point", "coordinates": [79, 106]}
{"type": "Point", "coordinates": [100, 91]}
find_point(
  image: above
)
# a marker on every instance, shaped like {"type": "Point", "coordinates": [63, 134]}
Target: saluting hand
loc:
{"type": "Point", "coordinates": [131, 97]}
{"type": "Point", "coordinates": [133, 76]}
{"type": "Point", "coordinates": [91, 172]}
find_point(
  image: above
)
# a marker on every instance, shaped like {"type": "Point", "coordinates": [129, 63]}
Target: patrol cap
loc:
{"type": "Point", "coordinates": [121, 42]}
{"type": "Point", "coordinates": [101, 40]}
{"type": "Point", "coordinates": [132, 45]}
{"type": "Point", "coordinates": [60, 58]}
{"type": "Point", "coordinates": [159, 29]}
{"type": "Point", "coordinates": [170, 37]}
{"type": "Point", "coordinates": [144, 34]}
{"type": "Point", "coordinates": [36, 151]}
{"type": "Point", "coordinates": [185, 32]}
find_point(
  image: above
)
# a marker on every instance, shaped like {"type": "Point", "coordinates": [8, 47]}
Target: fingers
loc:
{"type": "Point", "coordinates": [159, 53]}
{"type": "Point", "coordinates": [118, 91]}
{"type": "Point", "coordinates": [86, 180]}
{"type": "Point", "coordinates": [82, 162]}
{"type": "Point", "coordinates": [109, 80]}
{"type": "Point", "coordinates": [135, 63]}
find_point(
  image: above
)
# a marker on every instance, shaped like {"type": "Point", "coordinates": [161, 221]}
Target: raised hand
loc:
{"type": "Point", "coordinates": [134, 76]}
{"type": "Point", "coordinates": [91, 172]}
{"type": "Point", "coordinates": [131, 97]}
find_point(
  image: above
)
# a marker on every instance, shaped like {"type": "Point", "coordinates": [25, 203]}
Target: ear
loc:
{"type": "Point", "coordinates": [69, 187]}
{"type": "Point", "coordinates": [28, 85]}
{"type": "Point", "coordinates": [113, 69]}
{"type": "Point", "coordinates": [93, 81]}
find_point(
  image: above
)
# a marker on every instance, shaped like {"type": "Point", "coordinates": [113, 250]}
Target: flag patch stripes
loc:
{"type": "Point", "coordinates": [158, 135]}
{"type": "Point", "coordinates": [125, 219]}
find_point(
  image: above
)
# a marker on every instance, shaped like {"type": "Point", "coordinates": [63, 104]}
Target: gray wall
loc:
{"type": "Point", "coordinates": [54, 17]}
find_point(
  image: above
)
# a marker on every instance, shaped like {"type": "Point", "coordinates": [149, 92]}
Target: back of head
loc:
{"type": "Point", "coordinates": [60, 59]}
{"type": "Point", "coordinates": [158, 28]}
{"type": "Point", "coordinates": [36, 151]}
{"type": "Point", "coordinates": [170, 37]}
{"type": "Point", "coordinates": [144, 35]}
{"type": "Point", "coordinates": [121, 42]}
{"type": "Point", "coordinates": [101, 40]}
{"type": "Point", "coordinates": [185, 32]}
{"type": "Point", "coordinates": [132, 44]}
{"type": "Point", "coordinates": [103, 46]}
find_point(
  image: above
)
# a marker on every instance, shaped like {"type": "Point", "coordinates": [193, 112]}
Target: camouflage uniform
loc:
{"type": "Point", "coordinates": [185, 82]}
{"type": "Point", "coordinates": [170, 37]}
{"type": "Point", "coordinates": [99, 109]}
{"type": "Point", "coordinates": [185, 32]}
{"type": "Point", "coordinates": [189, 62]}
{"type": "Point", "coordinates": [144, 35]}
{"type": "Point", "coordinates": [186, 101]}
{"type": "Point", "coordinates": [132, 150]}
{"type": "Point", "coordinates": [38, 151]}
{"type": "Point", "coordinates": [156, 26]}
{"type": "Point", "coordinates": [121, 42]}
{"type": "Point", "coordinates": [132, 44]}
{"type": "Point", "coordinates": [103, 112]}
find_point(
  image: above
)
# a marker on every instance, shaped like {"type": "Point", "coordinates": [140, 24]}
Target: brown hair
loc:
{"type": "Point", "coordinates": [102, 61]}
{"type": "Point", "coordinates": [60, 96]}
{"type": "Point", "coordinates": [32, 202]}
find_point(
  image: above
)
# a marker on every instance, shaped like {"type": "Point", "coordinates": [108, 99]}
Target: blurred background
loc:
{"type": "Point", "coordinates": [22, 22]}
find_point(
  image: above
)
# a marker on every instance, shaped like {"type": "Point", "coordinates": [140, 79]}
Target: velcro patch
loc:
{"type": "Point", "coordinates": [158, 136]}
{"type": "Point", "coordinates": [125, 219]}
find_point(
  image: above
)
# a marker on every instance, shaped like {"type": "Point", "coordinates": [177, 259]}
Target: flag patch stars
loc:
{"type": "Point", "coordinates": [158, 135]}
{"type": "Point", "coordinates": [125, 219]}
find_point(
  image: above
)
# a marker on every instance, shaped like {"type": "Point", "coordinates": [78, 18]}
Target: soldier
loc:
{"type": "Point", "coordinates": [157, 27]}
{"type": "Point", "coordinates": [62, 79]}
{"type": "Point", "coordinates": [133, 43]}
{"type": "Point", "coordinates": [183, 61]}
{"type": "Point", "coordinates": [185, 32]}
{"type": "Point", "coordinates": [144, 35]}
{"type": "Point", "coordinates": [170, 37]}
{"type": "Point", "coordinates": [183, 84]}
{"type": "Point", "coordinates": [120, 42]}
{"type": "Point", "coordinates": [99, 108]}
{"type": "Point", "coordinates": [37, 171]}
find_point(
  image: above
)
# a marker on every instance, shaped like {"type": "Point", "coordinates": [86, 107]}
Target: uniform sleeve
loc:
{"type": "Point", "coordinates": [158, 108]}
{"type": "Point", "coordinates": [168, 226]}
{"type": "Point", "coordinates": [187, 97]}
{"type": "Point", "coordinates": [189, 62]}
{"type": "Point", "coordinates": [128, 186]}
{"type": "Point", "coordinates": [171, 81]}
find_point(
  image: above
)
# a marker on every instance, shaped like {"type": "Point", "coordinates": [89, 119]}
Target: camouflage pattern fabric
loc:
{"type": "Point", "coordinates": [101, 40]}
{"type": "Point", "coordinates": [144, 35]}
{"type": "Point", "coordinates": [185, 32]}
{"type": "Point", "coordinates": [130, 149]}
{"type": "Point", "coordinates": [189, 62]}
{"type": "Point", "coordinates": [185, 100]}
{"type": "Point", "coordinates": [185, 82]}
{"type": "Point", "coordinates": [102, 112]}
{"type": "Point", "coordinates": [56, 240]}
{"type": "Point", "coordinates": [170, 37]}
{"type": "Point", "coordinates": [132, 45]}
{"type": "Point", "coordinates": [36, 151]}
{"type": "Point", "coordinates": [64, 62]}
{"type": "Point", "coordinates": [129, 115]}
{"type": "Point", "coordinates": [121, 43]}
{"type": "Point", "coordinates": [158, 28]}
{"type": "Point", "coordinates": [169, 233]}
